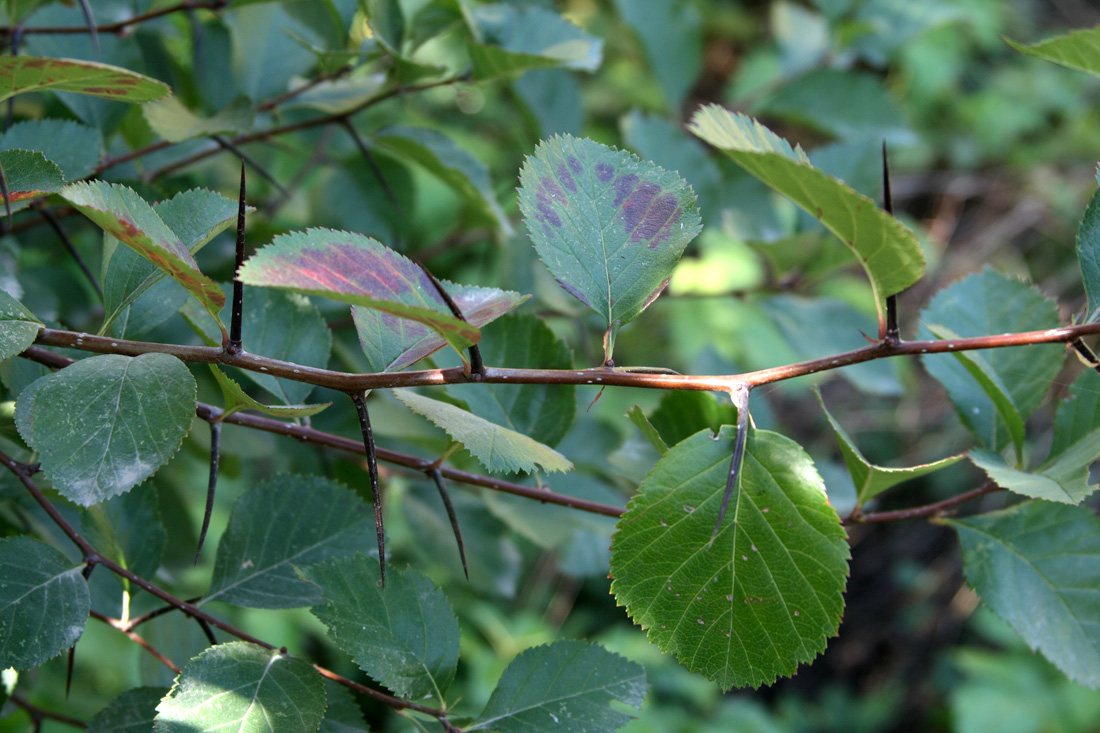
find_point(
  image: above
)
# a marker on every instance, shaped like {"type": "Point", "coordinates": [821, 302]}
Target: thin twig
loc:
{"type": "Point", "coordinates": [231, 147]}
{"type": "Point", "coordinates": [928, 510]}
{"type": "Point", "coordinates": [122, 25]}
{"type": "Point", "coordinates": [89, 21]}
{"type": "Point", "coordinates": [211, 484]}
{"type": "Point", "coordinates": [477, 366]}
{"type": "Point", "coordinates": [368, 158]}
{"type": "Point", "coordinates": [38, 714]}
{"type": "Point", "coordinates": [237, 311]}
{"type": "Point", "coordinates": [64, 237]}
{"type": "Point", "coordinates": [437, 477]}
{"type": "Point", "coordinates": [287, 96]}
{"type": "Point", "coordinates": [135, 637]}
{"type": "Point", "coordinates": [139, 620]}
{"type": "Point", "coordinates": [359, 398]}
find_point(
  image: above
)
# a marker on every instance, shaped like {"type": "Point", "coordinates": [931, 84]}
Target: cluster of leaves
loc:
{"type": "Point", "coordinates": [729, 553]}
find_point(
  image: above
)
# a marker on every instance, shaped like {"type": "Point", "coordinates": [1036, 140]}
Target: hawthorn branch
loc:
{"type": "Point", "coordinates": [125, 628]}
{"type": "Point", "coordinates": [920, 512]}
{"type": "Point", "coordinates": [37, 714]}
{"type": "Point", "coordinates": [360, 400]}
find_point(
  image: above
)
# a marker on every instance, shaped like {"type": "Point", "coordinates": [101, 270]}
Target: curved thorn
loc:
{"type": "Point", "coordinates": [437, 476]}
{"type": "Point", "coordinates": [477, 366]}
{"type": "Point", "coordinates": [212, 484]}
{"type": "Point", "coordinates": [372, 467]}
{"type": "Point", "coordinates": [93, 31]}
{"type": "Point", "coordinates": [741, 402]}
{"type": "Point", "coordinates": [237, 312]}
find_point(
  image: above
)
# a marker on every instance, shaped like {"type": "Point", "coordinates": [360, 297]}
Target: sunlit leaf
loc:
{"type": "Point", "coordinates": [513, 39]}
{"type": "Point", "coordinates": [44, 602]}
{"type": "Point", "coordinates": [175, 123]}
{"type": "Point", "coordinates": [107, 423]}
{"type": "Point", "coordinates": [498, 448]}
{"type": "Point", "coordinates": [32, 74]}
{"type": "Point", "coordinates": [405, 636]}
{"type": "Point", "coordinates": [767, 593]}
{"type": "Point", "coordinates": [1078, 50]}
{"type": "Point", "coordinates": [18, 326]}
{"type": "Point", "coordinates": [245, 688]}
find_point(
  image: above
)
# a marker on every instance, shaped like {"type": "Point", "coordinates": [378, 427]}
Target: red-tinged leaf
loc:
{"type": "Point", "coordinates": [29, 175]}
{"type": "Point", "coordinates": [31, 74]}
{"type": "Point", "coordinates": [119, 211]}
{"type": "Point", "coordinates": [358, 270]}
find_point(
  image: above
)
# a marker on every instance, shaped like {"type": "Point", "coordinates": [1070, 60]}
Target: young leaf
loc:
{"type": "Point", "coordinates": [32, 74]}
{"type": "Point", "coordinates": [237, 399]}
{"type": "Point", "coordinates": [107, 423]}
{"type": "Point", "coordinates": [983, 304]}
{"type": "Point", "coordinates": [512, 40]}
{"type": "Point", "coordinates": [18, 326]}
{"type": "Point", "coordinates": [175, 123]}
{"type": "Point", "coordinates": [567, 685]}
{"type": "Point", "coordinates": [243, 687]}
{"type": "Point", "coordinates": [391, 344]}
{"type": "Point", "coordinates": [133, 710]}
{"type": "Point", "coordinates": [29, 175]}
{"type": "Point", "coordinates": [1076, 50]}
{"type": "Point", "coordinates": [73, 147]}
{"type": "Point", "coordinates": [887, 250]}
{"type": "Point", "coordinates": [498, 449]}
{"type": "Point", "coordinates": [406, 637]}
{"type": "Point", "coordinates": [44, 602]}
{"type": "Point", "coordinates": [642, 422]}
{"type": "Point", "coordinates": [610, 227]}
{"type": "Point", "coordinates": [284, 523]}
{"type": "Point", "coordinates": [358, 270]}
{"type": "Point", "coordinates": [1088, 255]}
{"type": "Point", "coordinates": [766, 593]}
{"type": "Point", "coordinates": [123, 214]}
{"type": "Point", "coordinates": [1034, 565]}
{"type": "Point", "coordinates": [541, 411]}
{"type": "Point", "coordinates": [871, 480]}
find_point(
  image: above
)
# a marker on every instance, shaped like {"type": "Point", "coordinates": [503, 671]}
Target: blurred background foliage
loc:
{"type": "Point", "coordinates": [992, 157]}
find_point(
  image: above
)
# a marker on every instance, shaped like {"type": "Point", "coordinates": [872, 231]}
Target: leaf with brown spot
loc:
{"type": "Point", "coordinates": [32, 74]}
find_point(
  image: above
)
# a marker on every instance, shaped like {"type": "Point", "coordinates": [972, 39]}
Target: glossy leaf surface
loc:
{"type": "Point", "coordinates": [284, 523]}
{"type": "Point", "coordinates": [18, 326]}
{"type": "Point", "coordinates": [245, 688]}
{"type": "Point", "coordinates": [107, 423]}
{"type": "Point", "coordinates": [609, 226]}
{"type": "Point", "coordinates": [1035, 565]}
{"type": "Point", "coordinates": [498, 448]}
{"type": "Point", "coordinates": [567, 685]}
{"type": "Point", "coordinates": [33, 74]}
{"type": "Point", "coordinates": [405, 636]}
{"type": "Point", "coordinates": [767, 593]}
{"type": "Point", "coordinates": [44, 603]}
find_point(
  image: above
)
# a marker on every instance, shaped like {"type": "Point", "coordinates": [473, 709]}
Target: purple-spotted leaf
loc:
{"type": "Point", "coordinates": [122, 213]}
{"type": "Point", "coordinates": [32, 74]}
{"type": "Point", "coordinates": [391, 344]}
{"type": "Point", "coordinates": [359, 270]}
{"type": "Point", "coordinates": [609, 226]}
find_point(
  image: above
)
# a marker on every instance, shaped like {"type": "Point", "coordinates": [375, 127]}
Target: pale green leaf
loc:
{"type": "Point", "coordinates": [639, 419]}
{"type": "Point", "coordinates": [32, 74]}
{"type": "Point", "coordinates": [237, 399]}
{"type": "Point", "coordinates": [175, 123]}
{"type": "Point", "coordinates": [1078, 50]}
{"type": "Point", "coordinates": [513, 39]}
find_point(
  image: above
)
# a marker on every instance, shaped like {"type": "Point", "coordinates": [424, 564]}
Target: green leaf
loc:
{"type": "Point", "coordinates": [871, 480]}
{"type": "Point", "coordinates": [1078, 50]}
{"type": "Point", "coordinates": [681, 414]}
{"type": "Point", "coordinates": [32, 74]}
{"type": "Point", "coordinates": [343, 714]}
{"type": "Point", "coordinates": [1088, 255]}
{"type": "Point", "coordinates": [175, 123]}
{"type": "Point", "coordinates": [512, 40]}
{"type": "Point", "coordinates": [73, 147]}
{"type": "Point", "coordinates": [568, 685]}
{"type": "Point", "coordinates": [29, 175]}
{"type": "Point", "coordinates": [497, 448]}
{"type": "Point", "coordinates": [358, 270]}
{"type": "Point", "coordinates": [544, 412]}
{"type": "Point", "coordinates": [246, 688]}
{"type": "Point", "coordinates": [980, 305]}
{"type": "Point", "coordinates": [237, 399]}
{"type": "Point", "coordinates": [887, 250]}
{"type": "Point", "coordinates": [767, 593]}
{"type": "Point", "coordinates": [123, 214]}
{"type": "Point", "coordinates": [610, 227]}
{"type": "Point", "coordinates": [340, 95]}
{"type": "Point", "coordinates": [1034, 565]}
{"type": "Point", "coordinates": [391, 344]}
{"type": "Point", "coordinates": [440, 156]}
{"type": "Point", "coordinates": [405, 637]}
{"type": "Point", "coordinates": [132, 711]}
{"type": "Point", "coordinates": [44, 603]}
{"type": "Point", "coordinates": [107, 423]}
{"type": "Point", "coordinates": [18, 326]}
{"type": "Point", "coordinates": [671, 32]}
{"type": "Point", "coordinates": [19, 9]}
{"type": "Point", "coordinates": [128, 530]}
{"type": "Point", "coordinates": [283, 523]}
{"type": "Point", "coordinates": [639, 419]}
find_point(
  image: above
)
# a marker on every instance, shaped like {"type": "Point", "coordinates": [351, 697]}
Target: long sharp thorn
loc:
{"type": "Point", "coordinates": [207, 630]}
{"type": "Point", "coordinates": [86, 9]}
{"type": "Point", "coordinates": [437, 476]}
{"type": "Point", "coordinates": [372, 468]}
{"type": "Point", "coordinates": [477, 366]}
{"type": "Point", "coordinates": [372, 164]}
{"type": "Point", "coordinates": [212, 484]}
{"type": "Point", "coordinates": [237, 313]}
{"type": "Point", "coordinates": [893, 333]}
{"type": "Point", "coordinates": [741, 401]}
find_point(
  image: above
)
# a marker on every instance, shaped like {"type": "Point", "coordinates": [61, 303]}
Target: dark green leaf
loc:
{"type": "Point", "coordinates": [387, 22]}
{"type": "Point", "coordinates": [766, 593]}
{"type": "Point", "coordinates": [1035, 565]}
{"type": "Point", "coordinates": [1078, 50]}
{"type": "Point", "coordinates": [130, 712]}
{"type": "Point", "coordinates": [175, 123]}
{"type": "Point", "coordinates": [512, 40]}
{"type": "Point", "coordinates": [1088, 255]}
{"type": "Point", "coordinates": [31, 74]}
{"type": "Point", "coordinates": [29, 175]}
{"type": "Point", "coordinates": [406, 636]}
{"type": "Point", "coordinates": [270, 693]}
{"type": "Point", "coordinates": [609, 226]}
{"type": "Point", "coordinates": [682, 413]}
{"type": "Point", "coordinates": [107, 423]}
{"type": "Point", "coordinates": [18, 326]}
{"type": "Point", "coordinates": [567, 685]}
{"type": "Point", "coordinates": [498, 448]}
{"type": "Point", "coordinates": [672, 38]}
{"type": "Point", "coordinates": [541, 411]}
{"type": "Point", "coordinates": [391, 344]}
{"type": "Point", "coordinates": [888, 252]}
{"type": "Point", "coordinates": [357, 270]}
{"type": "Point", "coordinates": [343, 714]}
{"type": "Point", "coordinates": [128, 530]}
{"type": "Point", "coordinates": [642, 422]}
{"type": "Point", "coordinates": [284, 523]}
{"type": "Point", "coordinates": [73, 147]}
{"type": "Point", "coordinates": [44, 602]}
{"type": "Point", "coordinates": [237, 399]}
